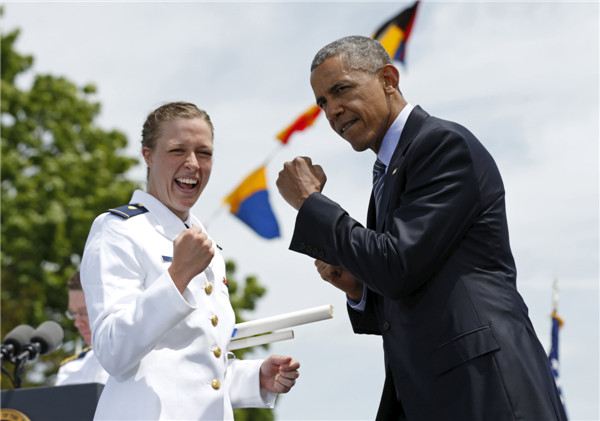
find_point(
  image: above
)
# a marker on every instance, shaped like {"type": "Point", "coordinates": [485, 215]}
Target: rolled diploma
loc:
{"type": "Point", "coordinates": [261, 340]}
{"type": "Point", "coordinates": [270, 324]}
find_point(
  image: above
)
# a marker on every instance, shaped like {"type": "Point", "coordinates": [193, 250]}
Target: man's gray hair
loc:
{"type": "Point", "coordinates": [359, 52]}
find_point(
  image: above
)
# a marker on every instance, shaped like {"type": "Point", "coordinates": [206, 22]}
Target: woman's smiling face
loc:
{"type": "Point", "coordinates": [180, 163]}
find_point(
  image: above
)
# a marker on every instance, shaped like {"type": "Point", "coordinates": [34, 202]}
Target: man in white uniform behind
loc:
{"type": "Point", "coordinates": [83, 367]}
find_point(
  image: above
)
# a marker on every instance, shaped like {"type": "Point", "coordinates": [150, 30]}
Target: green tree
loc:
{"type": "Point", "coordinates": [59, 171]}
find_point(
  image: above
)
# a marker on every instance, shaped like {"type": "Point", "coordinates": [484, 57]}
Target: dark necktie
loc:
{"type": "Point", "coordinates": [378, 173]}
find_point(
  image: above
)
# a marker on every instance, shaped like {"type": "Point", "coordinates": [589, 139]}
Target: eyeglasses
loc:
{"type": "Point", "coordinates": [71, 316]}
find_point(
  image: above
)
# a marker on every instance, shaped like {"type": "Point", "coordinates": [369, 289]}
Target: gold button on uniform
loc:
{"type": "Point", "coordinates": [215, 384]}
{"type": "Point", "coordinates": [214, 320]}
{"type": "Point", "coordinates": [208, 289]}
{"type": "Point", "coordinates": [217, 352]}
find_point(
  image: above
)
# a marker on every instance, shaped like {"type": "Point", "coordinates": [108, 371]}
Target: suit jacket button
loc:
{"type": "Point", "coordinates": [215, 384]}
{"type": "Point", "coordinates": [208, 289]}
{"type": "Point", "coordinates": [386, 326]}
{"type": "Point", "coordinates": [217, 352]}
{"type": "Point", "coordinates": [214, 320]}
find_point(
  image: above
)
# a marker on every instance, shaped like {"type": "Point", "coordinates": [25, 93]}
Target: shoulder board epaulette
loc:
{"type": "Point", "coordinates": [76, 356]}
{"type": "Point", "coordinates": [127, 211]}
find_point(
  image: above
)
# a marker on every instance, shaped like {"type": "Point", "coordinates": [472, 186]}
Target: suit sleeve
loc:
{"type": "Point", "coordinates": [434, 201]}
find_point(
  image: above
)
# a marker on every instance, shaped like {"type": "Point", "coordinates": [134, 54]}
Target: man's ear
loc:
{"type": "Point", "coordinates": [147, 154]}
{"type": "Point", "coordinates": [391, 78]}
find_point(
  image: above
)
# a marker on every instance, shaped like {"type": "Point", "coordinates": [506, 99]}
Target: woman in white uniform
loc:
{"type": "Point", "coordinates": [157, 295]}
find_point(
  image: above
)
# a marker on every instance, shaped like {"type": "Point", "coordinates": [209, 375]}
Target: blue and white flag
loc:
{"type": "Point", "coordinates": [557, 323]}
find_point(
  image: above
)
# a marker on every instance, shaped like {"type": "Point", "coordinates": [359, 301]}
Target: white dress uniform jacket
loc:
{"type": "Point", "coordinates": [82, 368]}
{"type": "Point", "coordinates": [166, 352]}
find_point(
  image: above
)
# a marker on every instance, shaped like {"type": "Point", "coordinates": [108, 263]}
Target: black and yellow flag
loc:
{"type": "Point", "coordinates": [394, 34]}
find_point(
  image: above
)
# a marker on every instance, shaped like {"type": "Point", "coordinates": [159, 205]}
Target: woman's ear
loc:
{"type": "Point", "coordinates": [147, 154]}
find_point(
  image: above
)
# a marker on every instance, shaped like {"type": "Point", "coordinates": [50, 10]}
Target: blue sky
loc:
{"type": "Point", "coordinates": [522, 76]}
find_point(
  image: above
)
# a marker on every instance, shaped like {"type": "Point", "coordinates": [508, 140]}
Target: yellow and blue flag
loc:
{"type": "Point", "coordinates": [250, 203]}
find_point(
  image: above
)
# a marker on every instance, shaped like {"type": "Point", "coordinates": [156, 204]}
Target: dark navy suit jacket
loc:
{"type": "Point", "coordinates": [441, 281]}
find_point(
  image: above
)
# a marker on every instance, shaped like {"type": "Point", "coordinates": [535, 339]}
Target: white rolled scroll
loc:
{"type": "Point", "coordinates": [261, 340]}
{"type": "Point", "coordinates": [282, 321]}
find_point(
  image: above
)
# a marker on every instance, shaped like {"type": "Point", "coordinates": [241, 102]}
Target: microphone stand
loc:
{"type": "Point", "coordinates": [18, 373]}
{"type": "Point", "coordinates": [31, 352]}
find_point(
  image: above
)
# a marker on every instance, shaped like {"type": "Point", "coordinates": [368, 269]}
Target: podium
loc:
{"type": "Point", "coordinates": [74, 402]}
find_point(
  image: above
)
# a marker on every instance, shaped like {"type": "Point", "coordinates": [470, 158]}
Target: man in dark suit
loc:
{"type": "Point", "coordinates": [432, 272]}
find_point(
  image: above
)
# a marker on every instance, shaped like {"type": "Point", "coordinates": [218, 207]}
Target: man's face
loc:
{"type": "Point", "coordinates": [180, 164]}
{"type": "Point", "coordinates": [355, 102]}
{"type": "Point", "coordinates": [77, 307]}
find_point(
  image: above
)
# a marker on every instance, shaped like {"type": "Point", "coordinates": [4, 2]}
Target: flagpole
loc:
{"type": "Point", "coordinates": [274, 152]}
{"type": "Point", "coordinates": [213, 215]}
{"type": "Point", "coordinates": [557, 323]}
{"type": "Point", "coordinates": [555, 296]}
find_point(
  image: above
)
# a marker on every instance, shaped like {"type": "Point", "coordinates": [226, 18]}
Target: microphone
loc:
{"type": "Point", "coordinates": [14, 341]}
{"type": "Point", "coordinates": [45, 339]}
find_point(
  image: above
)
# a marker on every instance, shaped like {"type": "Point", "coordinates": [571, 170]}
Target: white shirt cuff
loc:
{"type": "Point", "coordinates": [358, 306]}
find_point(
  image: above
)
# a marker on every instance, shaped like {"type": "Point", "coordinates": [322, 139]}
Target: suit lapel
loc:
{"type": "Point", "coordinates": [411, 129]}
